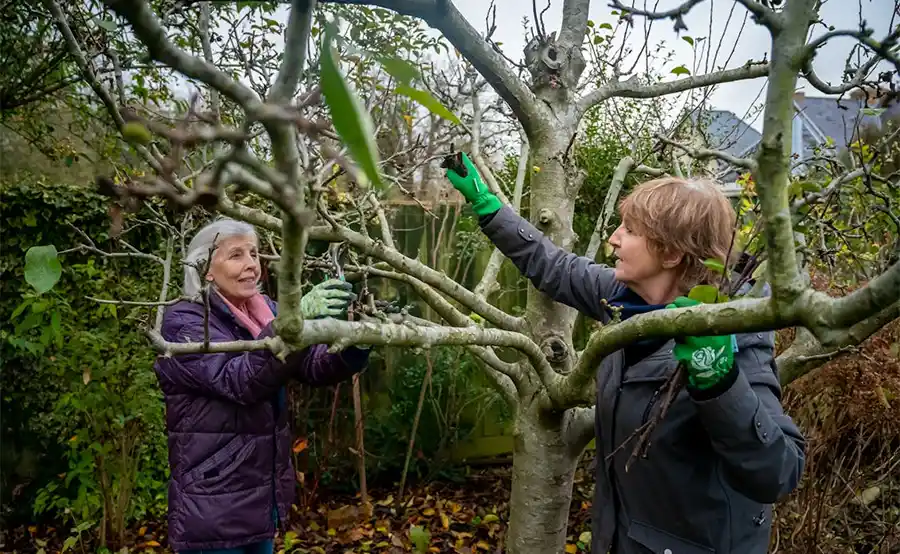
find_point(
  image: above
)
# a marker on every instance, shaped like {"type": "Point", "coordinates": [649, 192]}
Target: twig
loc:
{"type": "Point", "coordinates": [669, 391]}
{"type": "Point", "coordinates": [412, 435]}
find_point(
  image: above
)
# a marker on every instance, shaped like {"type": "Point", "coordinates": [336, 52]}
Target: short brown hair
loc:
{"type": "Point", "coordinates": [692, 217]}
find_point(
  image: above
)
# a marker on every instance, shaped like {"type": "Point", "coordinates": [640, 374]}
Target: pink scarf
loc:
{"type": "Point", "coordinates": [255, 315]}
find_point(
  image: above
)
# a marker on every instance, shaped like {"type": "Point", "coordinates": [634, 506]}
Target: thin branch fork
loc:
{"type": "Point", "coordinates": [704, 153]}
{"type": "Point", "coordinates": [443, 16]}
{"type": "Point", "coordinates": [632, 88]}
{"type": "Point", "coordinates": [676, 14]}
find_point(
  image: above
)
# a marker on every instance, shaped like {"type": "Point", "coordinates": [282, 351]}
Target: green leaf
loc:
{"type": "Point", "coordinates": [42, 268]}
{"type": "Point", "coordinates": [349, 116]}
{"type": "Point", "coordinates": [420, 537]}
{"type": "Point", "coordinates": [688, 40]}
{"type": "Point", "coordinates": [590, 23]}
{"type": "Point", "coordinates": [426, 99]}
{"type": "Point", "coordinates": [715, 265]}
{"type": "Point", "coordinates": [681, 70]}
{"type": "Point", "coordinates": [706, 294]}
{"type": "Point", "coordinates": [605, 26]}
{"type": "Point", "coordinates": [69, 543]}
{"type": "Point", "coordinates": [108, 25]}
{"type": "Point", "coordinates": [874, 112]}
{"type": "Point", "coordinates": [399, 69]}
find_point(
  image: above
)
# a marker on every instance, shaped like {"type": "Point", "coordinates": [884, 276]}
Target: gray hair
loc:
{"type": "Point", "coordinates": [204, 243]}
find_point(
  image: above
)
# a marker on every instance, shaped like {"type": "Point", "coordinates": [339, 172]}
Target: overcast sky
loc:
{"type": "Point", "coordinates": [754, 42]}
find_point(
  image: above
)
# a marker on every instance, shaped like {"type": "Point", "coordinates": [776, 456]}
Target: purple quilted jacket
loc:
{"type": "Point", "coordinates": [227, 423]}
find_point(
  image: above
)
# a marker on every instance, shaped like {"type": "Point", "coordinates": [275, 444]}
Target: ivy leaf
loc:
{"type": "Point", "coordinates": [715, 265]}
{"type": "Point", "coordinates": [681, 70]}
{"type": "Point", "coordinates": [705, 294]}
{"type": "Point", "coordinates": [349, 116]}
{"type": "Point", "coordinates": [688, 40]}
{"type": "Point", "coordinates": [426, 99]}
{"type": "Point", "coordinates": [42, 267]}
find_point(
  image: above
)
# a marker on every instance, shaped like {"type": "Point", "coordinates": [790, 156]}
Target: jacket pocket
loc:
{"type": "Point", "coordinates": [661, 542]}
{"type": "Point", "coordinates": [210, 476]}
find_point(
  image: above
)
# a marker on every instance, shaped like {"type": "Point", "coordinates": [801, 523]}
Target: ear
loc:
{"type": "Point", "coordinates": [672, 259]}
{"type": "Point", "coordinates": [209, 277]}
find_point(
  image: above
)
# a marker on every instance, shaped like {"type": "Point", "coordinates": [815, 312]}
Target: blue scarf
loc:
{"type": "Point", "coordinates": [632, 304]}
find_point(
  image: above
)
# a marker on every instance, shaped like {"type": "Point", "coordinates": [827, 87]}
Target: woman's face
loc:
{"type": "Point", "coordinates": [235, 267]}
{"type": "Point", "coordinates": [635, 261]}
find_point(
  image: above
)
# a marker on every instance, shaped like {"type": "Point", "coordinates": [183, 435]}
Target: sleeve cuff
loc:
{"type": "Point", "coordinates": [734, 413]}
{"type": "Point", "coordinates": [716, 390]}
{"type": "Point", "coordinates": [356, 358]}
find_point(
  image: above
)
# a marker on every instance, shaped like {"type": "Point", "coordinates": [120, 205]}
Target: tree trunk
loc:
{"type": "Point", "coordinates": [553, 193]}
{"type": "Point", "coordinates": [543, 472]}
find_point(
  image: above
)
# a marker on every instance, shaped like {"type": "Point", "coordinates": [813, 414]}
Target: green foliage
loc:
{"type": "Point", "coordinates": [706, 294]}
{"type": "Point", "coordinates": [83, 422]}
{"type": "Point", "coordinates": [349, 116]}
{"type": "Point", "coordinates": [42, 268]}
{"type": "Point", "coordinates": [455, 402]}
{"type": "Point", "coordinates": [420, 538]}
{"type": "Point", "coordinates": [426, 99]}
{"type": "Point", "coordinates": [598, 154]}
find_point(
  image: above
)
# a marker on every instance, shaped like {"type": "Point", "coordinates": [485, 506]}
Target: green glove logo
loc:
{"type": "Point", "coordinates": [705, 358]}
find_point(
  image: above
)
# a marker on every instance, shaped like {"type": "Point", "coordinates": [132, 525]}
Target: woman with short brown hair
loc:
{"type": "Point", "coordinates": [725, 452]}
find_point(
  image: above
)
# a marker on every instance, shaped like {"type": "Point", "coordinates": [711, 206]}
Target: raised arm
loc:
{"type": "Point", "coordinates": [573, 280]}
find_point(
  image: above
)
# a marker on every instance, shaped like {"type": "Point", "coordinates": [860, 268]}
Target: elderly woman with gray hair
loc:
{"type": "Point", "coordinates": [229, 442]}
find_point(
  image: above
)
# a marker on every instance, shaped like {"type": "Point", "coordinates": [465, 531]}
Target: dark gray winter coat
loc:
{"type": "Point", "coordinates": [715, 465]}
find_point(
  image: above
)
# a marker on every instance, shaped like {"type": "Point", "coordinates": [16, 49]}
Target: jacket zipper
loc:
{"type": "Point", "coordinates": [650, 405]}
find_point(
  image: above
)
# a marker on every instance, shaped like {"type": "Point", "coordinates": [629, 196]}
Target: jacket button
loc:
{"type": "Point", "coordinates": [758, 424]}
{"type": "Point", "coordinates": [530, 235]}
{"type": "Point", "coordinates": [667, 551]}
{"type": "Point", "coordinates": [765, 435]}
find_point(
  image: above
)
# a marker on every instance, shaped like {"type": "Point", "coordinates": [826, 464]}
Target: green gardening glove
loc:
{"type": "Point", "coordinates": [473, 188]}
{"type": "Point", "coordinates": [708, 359]}
{"type": "Point", "coordinates": [329, 298]}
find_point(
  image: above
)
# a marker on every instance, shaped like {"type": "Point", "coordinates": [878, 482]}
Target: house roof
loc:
{"type": "Point", "coordinates": [834, 118]}
{"type": "Point", "coordinates": [726, 131]}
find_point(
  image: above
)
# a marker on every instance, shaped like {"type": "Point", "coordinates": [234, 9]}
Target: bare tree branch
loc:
{"type": "Point", "coordinates": [206, 44]}
{"type": "Point", "coordinates": [443, 16]}
{"type": "Point", "coordinates": [704, 153]}
{"type": "Point", "coordinates": [625, 166]}
{"type": "Point", "coordinates": [762, 14]}
{"type": "Point", "coordinates": [676, 14]}
{"type": "Point", "coordinates": [488, 283]}
{"type": "Point", "coordinates": [806, 353]}
{"type": "Point", "coordinates": [879, 293]}
{"type": "Point", "coordinates": [816, 311]}
{"type": "Point", "coordinates": [864, 36]}
{"type": "Point", "coordinates": [297, 36]}
{"type": "Point", "coordinates": [633, 89]}
{"type": "Point", "coordinates": [574, 23]}
{"type": "Point", "coordinates": [151, 34]}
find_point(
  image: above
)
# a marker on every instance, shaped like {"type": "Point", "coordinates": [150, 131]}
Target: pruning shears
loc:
{"type": "Point", "coordinates": [454, 161]}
